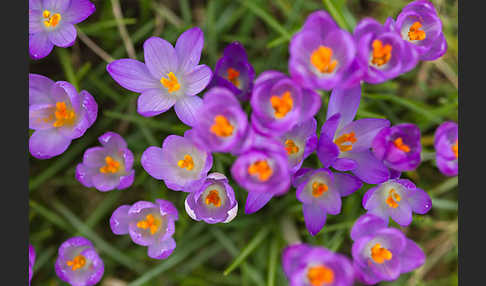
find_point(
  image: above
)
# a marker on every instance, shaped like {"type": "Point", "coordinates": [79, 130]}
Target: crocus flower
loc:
{"type": "Point", "coordinates": [31, 262]}
{"type": "Point", "coordinates": [382, 53]}
{"type": "Point", "coordinates": [381, 253]}
{"type": "Point", "coordinates": [320, 53]}
{"type": "Point", "coordinates": [180, 163]}
{"type": "Point", "coordinates": [222, 125]}
{"type": "Point", "coordinates": [263, 171]}
{"type": "Point", "coordinates": [300, 142]}
{"type": "Point", "coordinates": [107, 167]}
{"type": "Point", "coordinates": [58, 114]}
{"type": "Point", "coordinates": [279, 103]}
{"type": "Point", "coordinates": [447, 148]}
{"type": "Point", "coordinates": [399, 147]}
{"type": "Point", "coordinates": [214, 202]}
{"type": "Point", "coordinates": [234, 72]}
{"type": "Point", "coordinates": [345, 144]}
{"type": "Point", "coordinates": [78, 262]}
{"type": "Point", "coordinates": [51, 23]}
{"type": "Point", "coordinates": [320, 193]}
{"type": "Point", "coordinates": [148, 224]}
{"type": "Point", "coordinates": [308, 265]}
{"type": "Point", "coordinates": [420, 26]}
{"type": "Point", "coordinates": [170, 76]}
{"type": "Point", "coordinates": [397, 198]}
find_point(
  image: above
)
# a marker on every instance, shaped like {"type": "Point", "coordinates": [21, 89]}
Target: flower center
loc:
{"type": "Point", "coordinates": [150, 222]}
{"type": "Point", "coordinates": [291, 147]}
{"type": "Point", "coordinates": [282, 104]}
{"type": "Point", "coordinates": [318, 189]}
{"type": "Point", "coordinates": [414, 33]}
{"type": "Point", "coordinates": [455, 149]}
{"type": "Point", "coordinates": [213, 198]}
{"type": "Point", "coordinates": [63, 115]}
{"type": "Point", "coordinates": [51, 21]}
{"type": "Point", "coordinates": [221, 126]}
{"type": "Point", "coordinates": [111, 166]}
{"type": "Point", "coordinates": [233, 76]}
{"type": "Point", "coordinates": [262, 169]}
{"type": "Point", "coordinates": [380, 254]}
{"type": "Point", "coordinates": [187, 162]}
{"type": "Point", "coordinates": [321, 59]}
{"type": "Point", "coordinates": [320, 275]}
{"type": "Point", "coordinates": [346, 138]}
{"type": "Point", "coordinates": [171, 82]}
{"type": "Point", "coordinates": [77, 262]}
{"type": "Point", "coordinates": [400, 145]}
{"type": "Point", "coordinates": [381, 53]}
{"type": "Point", "coordinates": [393, 199]}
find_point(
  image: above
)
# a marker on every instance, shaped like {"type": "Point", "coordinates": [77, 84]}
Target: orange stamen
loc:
{"type": "Point", "coordinates": [455, 149]}
{"type": "Point", "coordinates": [282, 105]}
{"type": "Point", "coordinates": [381, 53]}
{"type": "Point", "coordinates": [346, 138]}
{"type": "Point", "coordinates": [393, 199]}
{"type": "Point", "coordinates": [187, 162]}
{"type": "Point", "coordinates": [77, 262]}
{"type": "Point", "coordinates": [380, 254]}
{"type": "Point", "coordinates": [400, 145]}
{"type": "Point", "coordinates": [414, 33]}
{"type": "Point", "coordinates": [171, 83]}
{"type": "Point", "coordinates": [221, 126]}
{"type": "Point", "coordinates": [290, 147]}
{"type": "Point", "coordinates": [320, 275]}
{"type": "Point", "coordinates": [321, 59]}
{"type": "Point", "coordinates": [51, 21]}
{"type": "Point", "coordinates": [262, 169]}
{"type": "Point", "coordinates": [63, 114]}
{"type": "Point", "coordinates": [213, 198]}
{"type": "Point", "coordinates": [318, 189]}
{"type": "Point", "coordinates": [150, 222]}
{"type": "Point", "coordinates": [233, 76]}
{"type": "Point", "coordinates": [112, 166]}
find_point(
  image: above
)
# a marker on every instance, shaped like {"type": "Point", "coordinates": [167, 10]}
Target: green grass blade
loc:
{"type": "Point", "coordinates": [267, 18]}
{"type": "Point", "coordinates": [272, 261]}
{"type": "Point", "coordinates": [67, 67]}
{"type": "Point", "coordinates": [338, 17]}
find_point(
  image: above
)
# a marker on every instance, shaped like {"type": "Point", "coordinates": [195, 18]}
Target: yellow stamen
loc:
{"type": "Point", "coordinates": [150, 222]}
{"type": "Point", "coordinates": [262, 169]}
{"type": "Point", "coordinates": [221, 126]}
{"type": "Point", "coordinates": [320, 275]}
{"type": "Point", "coordinates": [400, 145]}
{"type": "Point", "coordinates": [414, 33]}
{"type": "Point", "coordinates": [455, 149]}
{"type": "Point", "coordinates": [282, 105]}
{"type": "Point", "coordinates": [291, 147]}
{"type": "Point", "coordinates": [171, 83]}
{"type": "Point", "coordinates": [393, 199]}
{"type": "Point", "coordinates": [380, 254]}
{"type": "Point", "coordinates": [381, 53]}
{"type": "Point", "coordinates": [111, 166]}
{"type": "Point", "coordinates": [187, 162]}
{"type": "Point", "coordinates": [346, 138]}
{"type": "Point", "coordinates": [51, 21]}
{"type": "Point", "coordinates": [318, 189]}
{"type": "Point", "coordinates": [77, 262]}
{"type": "Point", "coordinates": [233, 76]}
{"type": "Point", "coordinates": [213, 198]}
{"type": "Point", "coordinates": [321, 59]}
{"type": "Point", "coordinates": [63, 114]}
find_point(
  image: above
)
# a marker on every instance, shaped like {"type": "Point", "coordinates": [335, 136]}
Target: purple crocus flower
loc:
{"type": "Point", "coordinates": [51, 23]}
{"type": "Point", "coordinates": [320, 53]}
{"type": "Point", "coordinates": [170, 76]}
{"type": "Point", "coordinates": [447, 148]}
{"type": "Point", "coordinates": [399, 147]}
{"type": "Point", "coordinates": [180, 163]}
{"type": "Point", "coordinates": [234, 72]}
{"type": "Point", "coordinates": [31, 262]}
{"type": "Point", "coordinates": [320, 193]}
{"type": "Point", "coordinates": [279, 103]}
{"type": "Point", "coordinates": [397, 198]}
{"type": "Point", "coordinates": [381, 253]}
{"type": "Point", "coordinates": [263, 170]}
{"type": "Point", "coordinates": [78, 262]}
{"type": "Point", "coordinates": [300, 142]}
{"type": "Point", "coordinates": [58, 114]}
{"type": "Point", "coordinates": [308, 265]}
{"type": "Point", "coordinates": [214, 202]}
{"type": "Point", "coordinates": [345, 144]}
{"type": "Point", "coordinates": [382, 53]}
{"type": "Point", "coordinates": [222, 125]}
{"type": "Point", "coordinates": [107, 167]}
{"type": "Point", "coordinates": [420, 26]}
{"type": "Point", "coordinates": [148, 224]}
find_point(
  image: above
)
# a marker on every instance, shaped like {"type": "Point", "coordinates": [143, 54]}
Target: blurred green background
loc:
{"type": "Point", "coordinates": [250, 246]}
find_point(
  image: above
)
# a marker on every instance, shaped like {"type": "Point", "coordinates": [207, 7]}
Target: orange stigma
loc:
{"type": "Point", "coordinates": [290, 147]}
{"type": "Point", "coordinates": [171, 83]}
{"type": "Point", "coordinates": [346, 138]}
{"type": "Point", "coordinates": [282, 105]}
{"type": "Point", "coordinates": [150, 222]}
{"type": "Point", "coordinates": [262, 169]}
{"type": "Point", "coordinates": [380, 254]}
{"type": "Point", "coordinates": [77, 263]}
{"type": "Point", "coordinates": [455, 149]}
{"type": "Point", "coordinates": [187, 162]}
{"type": "Point", "coordinates": [63, 114]}
{"type": "Point", "coordinates": [233, 76]}
{"type": "Point", "coordinates": [112, 166]}
{"type": "Point", "coordinates": [51, 21]}
{"type": "Point", "coordinates": [221, 126]}
{"type": "Point", "coordinates": [320, 275]}
{"type": "Point", "coordinates": [400, 145]}
{"type": "Point", "coordinates": [414, 33]}
{"type": "Point", "coordinates": [213, 198]}
{"type": "Point", "coordinates": [393, 199]}
{"type": "Point", "coordinates": [381, 53]}
{"type": "Point", "coordinates": [318, 189]}
{"type": "Point", "coordinates": [321, 59]}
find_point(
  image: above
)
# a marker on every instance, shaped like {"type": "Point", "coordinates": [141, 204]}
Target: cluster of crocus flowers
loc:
{"type": "Point", "coordinates": [31, 262]}
{"type": "Point", "coordinates": [78, 262]}
{"type": "Point", "coordinates": [446, 145]}
{"type": "Point", "coordinates": [51, 23]}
